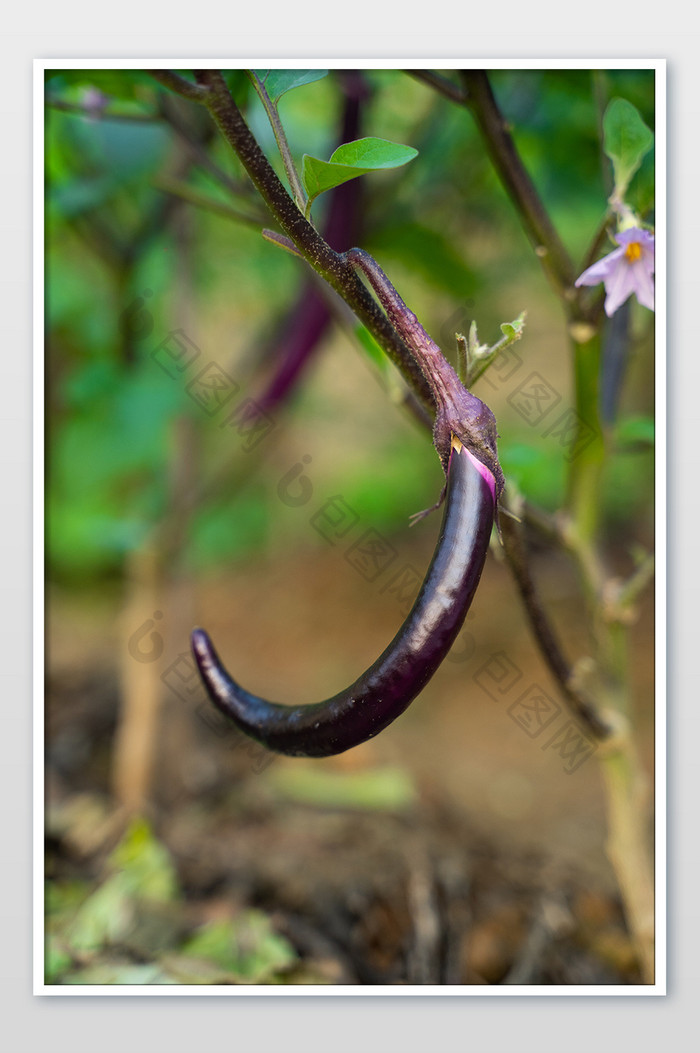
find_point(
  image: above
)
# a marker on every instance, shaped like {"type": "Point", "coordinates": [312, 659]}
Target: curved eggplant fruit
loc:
{"type": "Point", "coordinates": [385, 690]}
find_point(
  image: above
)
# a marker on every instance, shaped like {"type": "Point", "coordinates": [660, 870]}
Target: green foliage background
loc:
{"type": "Point", "coordinates": [441, 226]}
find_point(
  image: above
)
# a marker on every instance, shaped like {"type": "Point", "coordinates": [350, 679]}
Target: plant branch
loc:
{"type": "Point", "coordinates": [518, 184]}
{"type": "Point", "coordinates": [627, 847]}
{"type": "Point", "coordinates": [545, 523]}
{"type": "Point", "coordinates": [621, 597]}
{"type": "Point", "coordinates": [180, 85]}
{"type": "Point", "coordinates": [315, 250]}
{"type": "Point", "coordinates": [516, 555]}
{"type": "Point", "coordinates": [440, 84]}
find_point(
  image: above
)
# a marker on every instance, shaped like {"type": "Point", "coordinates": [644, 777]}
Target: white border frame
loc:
{"type": "Point", "coordinates": [659, 986]}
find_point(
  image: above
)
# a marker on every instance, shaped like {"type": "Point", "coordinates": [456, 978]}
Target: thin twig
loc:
{"type": "Point", "coordinates": [620, 597]}
{"type": "Point", "coordinates": [281, 139]}
{"type": "Point", "coordinates": [512, 172]}
{"type": "Point", "coordinates": [544, 522]}
{"type": "Point", "coordinates": [551, 920]}
{"type": "Point", "coordinates": [550, 649]}
{"type": "Point", "coordinates": [441, 84]}
{"type": "Point", "coordinates": [423, 958]}
{"type": "Point", "coordinates": [181, 86]}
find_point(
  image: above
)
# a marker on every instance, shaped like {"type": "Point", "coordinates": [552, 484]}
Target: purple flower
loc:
{"type": "Point", "coordinates": [626, 270]}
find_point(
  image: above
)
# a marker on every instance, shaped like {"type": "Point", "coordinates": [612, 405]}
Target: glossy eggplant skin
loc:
{"type": "Point", "coordinates": [384, 691]}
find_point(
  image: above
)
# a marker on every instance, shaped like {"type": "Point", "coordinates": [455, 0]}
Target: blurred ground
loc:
{"type": "Point", "coordinates": [433, 854]}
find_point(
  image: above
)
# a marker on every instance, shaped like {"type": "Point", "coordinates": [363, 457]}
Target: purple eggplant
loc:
{"type": "Point", "coordinates": [384, 691]}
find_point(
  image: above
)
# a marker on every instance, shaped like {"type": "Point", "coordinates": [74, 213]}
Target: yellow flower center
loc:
{"type": "Point", "coordinates": [633, 252]}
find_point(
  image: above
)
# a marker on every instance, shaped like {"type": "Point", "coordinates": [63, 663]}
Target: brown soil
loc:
{"type": "Point", "coordinates": [488, 868]}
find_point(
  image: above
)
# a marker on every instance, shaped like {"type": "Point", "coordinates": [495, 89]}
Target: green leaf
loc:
{"type": "Point", "coordinates": [145, 864]}
{"type": "Point", "coordinates": [142, 873]}
{"type": "Point", "coordinates": [351, 160]}
{"type": "Point", "coordinates": [278, 81]}
{"type": "Point", "coordinates": [626, 139]}
{"type": "Point", "coordinates": [372, 153]}
{"type": "Point", "coordinates": [247, 947]}
{"type": "Point", "coordinates": [104, 918]}
{"type": "Point", "coordinates": [514, 330]}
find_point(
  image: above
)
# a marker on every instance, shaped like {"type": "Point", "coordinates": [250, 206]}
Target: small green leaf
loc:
{"type": "Point", "coordinates": [144, 864]}
{"type": "Point", "coordinates": [473, 345]}
{"type": "Point", "coordinates": [626, 139]}
{"type": "Point", "coordinates": [372, 153]}
{"type": "Point", "coordinates": [278, 81]}
{"type": "Point", "coordinates": [246, 947]}
{"type": "Point", "coordinates": [105, 918]}
{"type": "Point", "coordinates": [351, 160]}
{"type": "Point", "coordinates": [514, 330]}
{"type": "Point", "coordinates": [142, 872]}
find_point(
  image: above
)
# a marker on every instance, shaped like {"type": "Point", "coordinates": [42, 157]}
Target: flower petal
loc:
{"type": "Point", "coordinates": [600, 271]}
{"type": "Point", "coordinates": [643, 285]}
{"type": "Point", "coordinates": [621, 276]}
{"type": "Point", "coordinates": [619, 286]}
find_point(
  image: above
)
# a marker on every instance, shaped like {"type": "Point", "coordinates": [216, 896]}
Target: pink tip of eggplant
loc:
{"type": "Point", "coordinates": [483, 471]}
